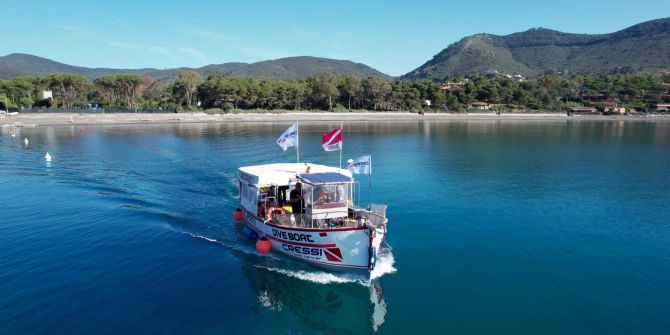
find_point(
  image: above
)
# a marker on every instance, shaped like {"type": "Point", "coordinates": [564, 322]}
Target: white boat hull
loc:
{"type": "Point", "coordinates": [340, 250]}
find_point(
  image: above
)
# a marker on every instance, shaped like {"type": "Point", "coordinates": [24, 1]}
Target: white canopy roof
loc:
{"type": "Point", "coordinates": [281, 173]}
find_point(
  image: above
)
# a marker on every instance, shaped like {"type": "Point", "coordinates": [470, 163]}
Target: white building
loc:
{"type": "Point", "coordinates": [480, 105]}
{"type": "Point", "coordinates": [46, 94]}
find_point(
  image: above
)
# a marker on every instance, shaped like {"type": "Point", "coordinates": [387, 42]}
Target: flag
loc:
{"type": "Point", "coordinates": [360, 165]}
{"type": "Point", "coordinates": [289, 138]}
{"type": "Point", "coordinates": [333, 140]}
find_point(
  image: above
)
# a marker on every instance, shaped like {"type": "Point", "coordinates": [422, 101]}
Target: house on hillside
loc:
{"type": "Point", "coordinates": [662, 108]}
{"type": "Point", "coordinates": [479, 105]}
{"type": "Point", "coordinates": [451, 84]}
{"type": "Point", "coordinates": [605, 106]}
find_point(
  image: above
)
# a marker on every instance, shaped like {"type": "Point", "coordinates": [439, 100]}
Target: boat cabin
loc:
{"type": "Point", "coordinates": [325, 195]}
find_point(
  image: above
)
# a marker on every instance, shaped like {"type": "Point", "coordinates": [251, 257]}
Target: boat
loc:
{"type": "Point", "coordinates": [331, 233]}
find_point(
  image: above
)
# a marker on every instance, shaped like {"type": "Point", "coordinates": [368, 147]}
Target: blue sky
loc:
{"type": "Point", "coordinates": [392, 36]}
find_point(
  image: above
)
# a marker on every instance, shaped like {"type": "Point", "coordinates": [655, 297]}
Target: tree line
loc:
{"type": "Point", "coordinates": [329, 91]}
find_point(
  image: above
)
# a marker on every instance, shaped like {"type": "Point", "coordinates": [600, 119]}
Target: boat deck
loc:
{"type": "Point", "coordinates": [357, 219]}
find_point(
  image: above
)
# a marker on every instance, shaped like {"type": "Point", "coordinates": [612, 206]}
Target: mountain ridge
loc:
{"type": "Point", "coordinates": [538, 50]}
{"type": "Point", "coordinates": [642, 47]}
{"type": "Point", "coordinates": [289, 68]}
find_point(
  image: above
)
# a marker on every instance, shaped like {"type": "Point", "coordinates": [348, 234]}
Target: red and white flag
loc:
{"type": "Point", "coordinates": [333, 140]}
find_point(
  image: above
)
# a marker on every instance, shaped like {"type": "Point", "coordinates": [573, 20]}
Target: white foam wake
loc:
{"type": "Point", "coordinates": [318, 277]}
{"type": "Point", "coordinates": [233, 246]}
{"type": "Point", "coordinates": [385, 264]}
{"type": "Point", "coordinates": [209, 239]}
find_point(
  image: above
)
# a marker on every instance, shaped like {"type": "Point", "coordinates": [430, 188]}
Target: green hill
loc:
{"type": "Point", "coordinates": [640, 48]}
{"type": "Point", "coordinates": [16, 65]}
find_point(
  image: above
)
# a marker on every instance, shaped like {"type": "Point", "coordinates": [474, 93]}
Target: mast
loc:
{"type": "Point", "coordinates": [341, 144]}
{"type": "Point", "coordinates": [370, 182]}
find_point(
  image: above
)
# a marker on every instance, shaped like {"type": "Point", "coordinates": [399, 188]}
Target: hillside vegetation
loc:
{"type": "Point", "coordinates": [641, 48]}
{"type": "Point", "coordinates": [291, 68]}
{"type": "Point", "coordinates": [329, 91]}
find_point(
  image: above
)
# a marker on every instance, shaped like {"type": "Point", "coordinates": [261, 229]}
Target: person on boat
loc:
{"type": "Point", "coordinates": [295, 198]}
{"type": "Point", "coordinates": [323, 197]}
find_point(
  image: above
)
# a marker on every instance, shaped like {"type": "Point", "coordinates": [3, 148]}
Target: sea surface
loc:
{"type": "Point", "coordinates": [495, 227]}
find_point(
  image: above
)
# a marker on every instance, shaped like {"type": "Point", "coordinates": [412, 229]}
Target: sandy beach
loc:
{"type": "Point", "coordinates": [51, 119]}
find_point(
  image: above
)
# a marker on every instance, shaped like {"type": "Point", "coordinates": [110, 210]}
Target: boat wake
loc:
{"type": "Point", "coordinates": [318, 277]}
{"type": "Point", "coordinates": [385, 265]}
{"type": "Point", "coordinates": [232, 246]}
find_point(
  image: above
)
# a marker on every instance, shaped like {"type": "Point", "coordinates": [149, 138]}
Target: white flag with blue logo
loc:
{"type": "Point", "coordinates": [289, 138]}
{"type": "Point", "coordinates": [360, 165]}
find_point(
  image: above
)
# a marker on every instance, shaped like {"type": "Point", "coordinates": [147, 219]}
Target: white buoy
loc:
{"type": "Point", "coordinates": [25, 141]}
{"type": "Point", "coordinates": [12, 134]}
{"type": "Point", "coordinates": [48, 157]}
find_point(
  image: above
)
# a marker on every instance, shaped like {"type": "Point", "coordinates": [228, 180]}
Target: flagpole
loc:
{"type": "Point", "coordinates": [370, 182]}
{"type": "Point", "coordinates": [341, 144]}
{"type": "Point", "coordinates": [297, 139]}
{"type": "Point", "coordinates": [359, 194]}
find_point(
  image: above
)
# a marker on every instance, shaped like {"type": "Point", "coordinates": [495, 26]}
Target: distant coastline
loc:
{"type": "Point", "coordinates": [74, 119]}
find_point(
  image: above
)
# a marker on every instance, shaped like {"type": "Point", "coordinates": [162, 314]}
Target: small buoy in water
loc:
{"type": "Point", "coordinates": [82, 130]}
{"type": "Point", "coordinates": [237, 215]}
{"type": "Point", "coordinates": [25, 141]}
{"type": "Point", "coordinates": [263, 245]}
{"type": "Point", "coordinates": [12, 134]}
{"type": "Point", "coordinates": [48, 157]}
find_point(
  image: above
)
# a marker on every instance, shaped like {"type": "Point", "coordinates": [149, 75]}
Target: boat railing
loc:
{"type": "Point", "coordinates": [375, 214]}
{"type": "Point", "coordinates": [326, 220]}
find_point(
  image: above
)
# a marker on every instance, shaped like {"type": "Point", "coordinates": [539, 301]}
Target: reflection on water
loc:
{"type": "Point", "coordinates": [330, 309]}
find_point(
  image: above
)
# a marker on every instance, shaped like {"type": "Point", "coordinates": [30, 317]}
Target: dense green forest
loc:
{"type": "Point", "coordinates": [643, 47]}
{"type": "Point", "coordinates": [328, 91]}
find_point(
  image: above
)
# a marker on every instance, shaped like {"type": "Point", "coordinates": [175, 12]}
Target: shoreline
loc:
{"type": "Point", "coordinates": [58, 119]}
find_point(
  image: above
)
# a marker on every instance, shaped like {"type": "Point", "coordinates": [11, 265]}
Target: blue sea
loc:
{"type": "Point", "coordinates": [495, 227]}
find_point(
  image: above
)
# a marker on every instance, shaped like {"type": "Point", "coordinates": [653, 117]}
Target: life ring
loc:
{"type": "Point", "coordinates": [273, 210]}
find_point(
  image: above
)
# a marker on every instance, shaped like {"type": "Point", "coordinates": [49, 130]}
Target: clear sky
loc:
{"type": "Point", "coordinates": [392, 36]}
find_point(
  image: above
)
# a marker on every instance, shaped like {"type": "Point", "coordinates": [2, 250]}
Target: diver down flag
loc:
{"type": "Point", "coordinates": [333, 254]}
{"type": "Point", "coordinates": [289, 138]}
{"type": "Point", "coordinates": [360, 165]}
{"type": "Point", "coordinates": [333, 140]}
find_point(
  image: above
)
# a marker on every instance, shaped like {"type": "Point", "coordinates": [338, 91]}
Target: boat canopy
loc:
{"type": "Point", "coordinates": [324, 178]}
{"type": "Point", "coordinates": [282, 173]}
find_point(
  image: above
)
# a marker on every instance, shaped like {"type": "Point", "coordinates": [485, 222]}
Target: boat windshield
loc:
{"type": "Point", "coordinates": [323, 195]}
